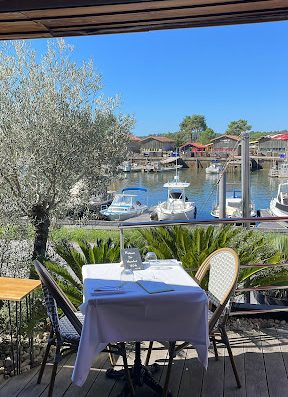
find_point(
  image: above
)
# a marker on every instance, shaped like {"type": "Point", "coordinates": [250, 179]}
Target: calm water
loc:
{"type": "Point", "coordinates": [203, 187]}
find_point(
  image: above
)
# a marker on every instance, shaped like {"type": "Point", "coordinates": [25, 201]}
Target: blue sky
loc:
{"type": "Point", "coordinates": [225, 73]}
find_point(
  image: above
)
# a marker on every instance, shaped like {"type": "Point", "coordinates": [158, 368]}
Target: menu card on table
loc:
{"type": "Point", "coordinates": [131, 259]}
{"type": "Point", "coordinates": [154, 287]}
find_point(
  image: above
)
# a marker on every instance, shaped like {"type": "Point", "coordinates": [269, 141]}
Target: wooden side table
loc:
{"type": "Point", "coordinates": [18, 290]}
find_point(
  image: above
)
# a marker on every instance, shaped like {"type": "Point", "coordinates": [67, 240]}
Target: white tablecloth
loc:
{"type": "Point", "coordinates": [136, 315]}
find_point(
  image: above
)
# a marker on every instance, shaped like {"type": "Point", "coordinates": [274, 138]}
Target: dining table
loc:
{"type": "Point", "coordinates": [161, 302]}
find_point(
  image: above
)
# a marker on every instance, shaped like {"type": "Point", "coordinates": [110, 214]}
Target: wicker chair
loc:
{"type": "Point", "coordinates": [66, 330]}
{"type": "Point", "coordinates": [223, 267]}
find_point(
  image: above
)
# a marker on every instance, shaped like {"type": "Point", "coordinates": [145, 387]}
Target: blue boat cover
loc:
{"type": "Point", "coordinates": [142, 189]}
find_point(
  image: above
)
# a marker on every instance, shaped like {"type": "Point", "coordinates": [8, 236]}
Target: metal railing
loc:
{"type": "Point", "coordinates": [147, 224]}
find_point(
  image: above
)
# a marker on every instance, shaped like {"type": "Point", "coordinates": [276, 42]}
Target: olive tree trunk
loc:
{"type": "Point", "coordinates": [41, 223]}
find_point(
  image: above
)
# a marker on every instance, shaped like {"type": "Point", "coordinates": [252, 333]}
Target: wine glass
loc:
{"type": "Point", "coordinates": [126, 276]}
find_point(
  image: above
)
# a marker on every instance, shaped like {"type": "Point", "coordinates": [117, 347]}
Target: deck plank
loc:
{"type": "Point", "coordinates": [256, 384]}
{"type": "Point", "coordinates": [35, 390]}
{"type": "Point", "coordinates": [230, 386]}
{"type": "Point", "coordinates": [275, 368]}
{"type": "Point", "coordinates": [192, 376]}
{"type": "Point", "coordinates": [282, 336]}
{"type": "Point", "coordinates": [63, 381]}
{"type": "Point", "coordinates": [14, 385]}
{"type": "Point", "coordinates": [213, 379]}
{"type": "Point", "coordinates": [27, 381]}
{"type": "Point", "coordinates": [98, 365]}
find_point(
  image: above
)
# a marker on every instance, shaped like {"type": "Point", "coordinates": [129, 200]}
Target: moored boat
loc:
{"type": "Point", "coordinates": [233, 206]}
{"type": "Point", "coordinates": [177, 206]}
{"type": "Point", "coordinates": [279, 204]}
{"type": "Point", "coordinates": [125, 206]}
{"type": "Point", "coordinates": [214, 168]}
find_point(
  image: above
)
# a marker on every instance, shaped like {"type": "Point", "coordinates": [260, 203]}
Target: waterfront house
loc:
{"type": "Point", "coordinates": [192, 149]}
{"type": "Point", "coordinates": [225, 145]}
{"type": "Point", "coordinates": [134, 144]}
{"type": "Point", "coordinates": [157, 144]}
{"type": "Point", "coordinates": [273, 145]}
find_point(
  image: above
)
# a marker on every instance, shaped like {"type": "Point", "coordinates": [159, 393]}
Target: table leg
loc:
{"type": "Point", "coordinates": [140, 375]}
{"type": "Point", "coordinates": [18, 336]}
{"type": "Point", "coordinates": [11, 338]}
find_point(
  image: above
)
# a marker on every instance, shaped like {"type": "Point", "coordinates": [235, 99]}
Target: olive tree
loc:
{"type": "Point", "coordinates": [56, 130]}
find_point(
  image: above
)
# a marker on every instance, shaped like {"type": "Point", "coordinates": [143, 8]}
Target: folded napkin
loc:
{"type": "Point", "coordinates": [106, 287]}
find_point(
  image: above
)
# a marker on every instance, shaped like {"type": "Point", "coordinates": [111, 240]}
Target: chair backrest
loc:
{"type": "Point", "coordinates": [223, 267]}
{"type": "Point", "coordinates": [54, 297]}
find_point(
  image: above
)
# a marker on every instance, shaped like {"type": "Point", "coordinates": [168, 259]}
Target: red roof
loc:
{"type": "Point", "coordinates": [158, 138]}
{"type": "Point", "coordinates": [134, 138]}
{"type": "Point", "coordinates": [195, 144]}
{"type": "Point", "coordinates": [283, 137]}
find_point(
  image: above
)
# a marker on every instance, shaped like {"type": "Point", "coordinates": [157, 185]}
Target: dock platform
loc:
{"type": "Point", "coordinates": [280, 227]}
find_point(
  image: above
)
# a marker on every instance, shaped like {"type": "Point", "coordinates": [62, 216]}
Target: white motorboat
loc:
{"type": "Point", "coordinates": [176, 207]}
{"type": "Point", "coordinates": [125, 206]}
{"type": "Point", "coordinates": [233, 206]}
{"type": "Point", "coordinates": [214, 168]}
{"type": "Point", "coordinates": [279, 204]}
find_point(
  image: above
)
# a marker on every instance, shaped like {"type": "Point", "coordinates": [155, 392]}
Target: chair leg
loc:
{"type": "Point", "coordinates": [111, 356]}
{"type": "Point", "coordinates": [215, 348]}
{"type": "Point", "coordinates": [169, 368]}
{"type": "Point", "coordinates": [225, 340]}
{"type": "Point", "coordinates": [149, 353]}
{"type": "Point", "coordinates": [57, 359]}
{"type": "Point", "coordinates": [50, 341]}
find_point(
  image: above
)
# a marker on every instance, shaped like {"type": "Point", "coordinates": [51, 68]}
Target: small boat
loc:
{"type": "Point", "coordinates": [279, 204]}
{"type": "Point", "coordinates": [128, 166]}
{"type": "Point", "coordinates": [214, 168]}
{"type": "Point", "coordinates": [170, 168]}
{"type": "Point", "coordinates": [177, 206]}
{"type": "Point", "coordinates": [233, 206]}
{"type": "Point", "coordinates": [125, 206]}
{"type": "Point", "coordinates": [279, 170]}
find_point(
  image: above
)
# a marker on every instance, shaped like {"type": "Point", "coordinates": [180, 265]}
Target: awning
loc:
{"type": "Point", "coordinates": [59, 18]}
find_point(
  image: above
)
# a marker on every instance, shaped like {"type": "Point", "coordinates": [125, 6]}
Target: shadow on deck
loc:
{"type": "Point", "coordinates": [261, 358]}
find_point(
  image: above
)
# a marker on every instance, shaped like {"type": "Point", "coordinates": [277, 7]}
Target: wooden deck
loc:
{"type": "Point", "coordinates": [261, 358]}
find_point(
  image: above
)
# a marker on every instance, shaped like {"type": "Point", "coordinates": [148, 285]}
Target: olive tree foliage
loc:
{"type": "Point", "coordinates": [56, 131]}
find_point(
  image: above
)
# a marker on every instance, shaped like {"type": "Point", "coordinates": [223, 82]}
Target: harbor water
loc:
{"type": "Point", "coordinates": [203, 187]}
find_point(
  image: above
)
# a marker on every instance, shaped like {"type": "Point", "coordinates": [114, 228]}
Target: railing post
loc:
{"type": "Point", "coordinates": [245, 177]}
{"type": "Point", "coordinates": [121, 237]}
{"type": "Point", "coordinates": [222, 195]}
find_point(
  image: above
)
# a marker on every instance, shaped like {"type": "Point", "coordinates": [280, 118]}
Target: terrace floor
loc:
{"type": "Point", "coordinates": [261, 358]}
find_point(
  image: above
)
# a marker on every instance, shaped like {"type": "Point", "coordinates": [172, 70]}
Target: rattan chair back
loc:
{"type": "Point", "coordinates": [54, 298]}
{"type": "Point", "coordinates": [223, 267]}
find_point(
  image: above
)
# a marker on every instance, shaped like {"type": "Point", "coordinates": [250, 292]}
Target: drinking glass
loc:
{"type": "Point", "coordinates": [151, 258]}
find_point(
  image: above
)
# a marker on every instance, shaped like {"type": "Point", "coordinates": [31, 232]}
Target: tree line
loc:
{"type": "Point", "coordinates": [194, 128]}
